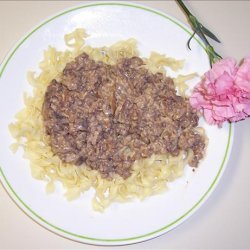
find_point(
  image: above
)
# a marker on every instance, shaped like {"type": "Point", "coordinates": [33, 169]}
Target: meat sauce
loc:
{"type": "Point", "coordinates": [109, 116]}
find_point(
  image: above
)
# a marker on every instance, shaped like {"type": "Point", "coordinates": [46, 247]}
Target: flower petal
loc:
{"type": "Point", "coordinates": [219, 97]}
{"type": "Point", "coordinates": [224, 112]}
{"type": "Point", "coordinates": [224, 84]}
{"type": "Point", "coordinates": [243, 75]}
{"type": "Point", "coordinates": [224, 65]}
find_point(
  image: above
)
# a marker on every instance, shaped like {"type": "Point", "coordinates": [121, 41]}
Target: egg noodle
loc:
{"type": "Point", "coordinates": [149, 176]}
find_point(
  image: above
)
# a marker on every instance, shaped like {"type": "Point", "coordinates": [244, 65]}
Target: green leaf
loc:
{"type": "Point", "coordinates": [209, 33]}
{"type": "Point", "coordinates": [189, 40]}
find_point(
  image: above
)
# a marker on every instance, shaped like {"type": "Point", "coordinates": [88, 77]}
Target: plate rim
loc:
{"type": "Point", "coordinates": [116, 241]}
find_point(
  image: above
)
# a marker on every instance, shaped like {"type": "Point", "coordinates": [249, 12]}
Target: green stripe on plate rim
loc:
{"type": "Point", "coordinates": [29, 210]}
{"type": "Point", "coordinates": [93, 5]}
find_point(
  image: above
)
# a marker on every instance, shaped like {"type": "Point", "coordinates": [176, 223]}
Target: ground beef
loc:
{"type": "Point", "coordinates": [109, 116]}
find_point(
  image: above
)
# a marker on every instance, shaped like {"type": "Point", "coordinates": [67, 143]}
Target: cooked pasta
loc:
{"type": "Point", "coordinates": [149, 176]}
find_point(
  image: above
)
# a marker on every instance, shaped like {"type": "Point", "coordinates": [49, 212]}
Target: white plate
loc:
{"type": "Point", "coordinates": [120, 223]}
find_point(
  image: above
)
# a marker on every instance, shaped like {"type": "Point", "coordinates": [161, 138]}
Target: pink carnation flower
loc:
{"type": "Point", "coordinates": [224, 92]}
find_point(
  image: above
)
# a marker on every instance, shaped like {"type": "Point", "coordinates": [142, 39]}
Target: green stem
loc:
{"type": "Point", "coordinates": [183, 6]}
{"type": "Point", "coordinates": [197, 28]}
